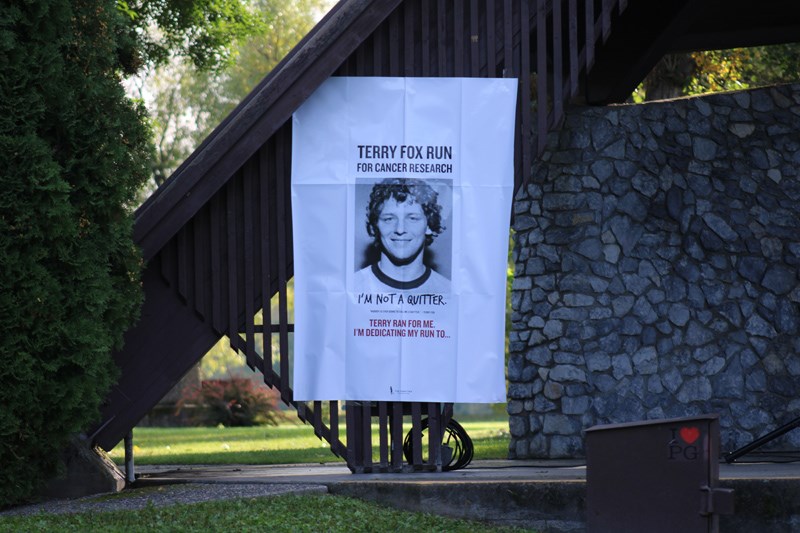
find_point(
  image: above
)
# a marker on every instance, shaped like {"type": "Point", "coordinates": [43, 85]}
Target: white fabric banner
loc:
{"type": "Point", "coordinates": [401, 200]}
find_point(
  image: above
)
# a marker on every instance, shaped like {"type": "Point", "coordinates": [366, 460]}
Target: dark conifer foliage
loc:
{"type": "Point", "coordinates": [74, 150]}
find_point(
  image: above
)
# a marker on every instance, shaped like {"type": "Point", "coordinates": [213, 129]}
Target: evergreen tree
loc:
{"type": "Point", "coordinates": [75, 152]}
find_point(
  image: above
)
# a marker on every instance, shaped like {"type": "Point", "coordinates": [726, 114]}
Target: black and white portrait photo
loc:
{"type": "Point", "coordinates": [403, 241]}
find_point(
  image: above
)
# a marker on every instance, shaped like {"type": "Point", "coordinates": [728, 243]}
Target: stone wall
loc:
{"type": "Point", "coordinates": [657, 254]}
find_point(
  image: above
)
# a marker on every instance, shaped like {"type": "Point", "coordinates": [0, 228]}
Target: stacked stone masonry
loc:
{"type": "Point", "coordinates": [657, 256]}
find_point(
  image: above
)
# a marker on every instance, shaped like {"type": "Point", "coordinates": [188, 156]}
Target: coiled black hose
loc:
{"type": "Point", "coordinates": [455, 439]}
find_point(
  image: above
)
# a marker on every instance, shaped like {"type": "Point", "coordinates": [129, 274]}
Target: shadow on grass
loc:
{"type": "Point", "coordinates": [287, 443]}
{"type": "Point", "coordinates": [271, 457]}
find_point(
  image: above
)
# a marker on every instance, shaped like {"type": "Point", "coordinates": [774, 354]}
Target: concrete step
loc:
{"type": "Point", "coordinates": [549, 496]}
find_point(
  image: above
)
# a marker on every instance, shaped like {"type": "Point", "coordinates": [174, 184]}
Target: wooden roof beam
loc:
{"type": "Point", "coordinates": [256, 119]}
{"type": "Point", "coordinates": [724, 24]}
{"type": "Point", "coordinates": [723, 40]}
{"type": "Point", "coordinates": [633, 48]}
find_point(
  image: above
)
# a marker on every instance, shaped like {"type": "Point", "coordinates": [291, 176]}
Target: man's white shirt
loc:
{"type": "Point", "coordinates": [372, 279]}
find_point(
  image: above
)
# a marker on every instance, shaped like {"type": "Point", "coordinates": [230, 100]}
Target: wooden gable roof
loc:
{"type": "Point", "coordinates": [217, 236]}
{"type": "Point", "coordinates": [256, 119]}
{"type": "Point", "coordinates": [647, 32]}
{"type": "Point", "coordinates": [651, 29]}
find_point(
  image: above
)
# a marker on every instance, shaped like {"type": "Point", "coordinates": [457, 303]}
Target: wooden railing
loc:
{"type": "Point", "coordinates": [235, 254]}
{"type": "Point", "coordinates": [548, 45]}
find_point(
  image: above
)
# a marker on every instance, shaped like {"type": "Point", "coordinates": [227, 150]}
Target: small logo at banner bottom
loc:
{"type": "Point", "coordinates": [392, 390]}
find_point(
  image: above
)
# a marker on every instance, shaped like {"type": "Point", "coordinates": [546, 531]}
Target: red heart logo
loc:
{"type": "Point", "coordinates": [689, 435]}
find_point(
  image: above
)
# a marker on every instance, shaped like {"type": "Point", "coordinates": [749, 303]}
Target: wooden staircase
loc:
{"type": "Point", "coordinates": [232, 252]}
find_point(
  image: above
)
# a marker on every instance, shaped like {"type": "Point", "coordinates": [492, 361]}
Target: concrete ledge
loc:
{"type": "Point", "coordinates": [87, 470]}
{"type": "Point", "coordinates": [764, 505]}
{"type": "Point", "coordinates": [549, 496]}
{"type": "Point", "coordinates": [545, 506]}
{"type": "Point", "coordinates": [559, 507]}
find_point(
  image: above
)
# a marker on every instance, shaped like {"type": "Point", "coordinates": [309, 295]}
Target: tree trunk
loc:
{"type": "Point", "coordinates": [669, 77]}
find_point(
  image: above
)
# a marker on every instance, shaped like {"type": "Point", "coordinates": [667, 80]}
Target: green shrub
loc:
{"type": "Point", "coordinates": [75, 150]}
{"type": "Point", "coordinates": [230, 402]}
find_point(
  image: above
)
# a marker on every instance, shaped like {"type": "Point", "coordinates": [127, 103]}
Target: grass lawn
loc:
{"type": "Point", "coordinates": [290, 513]}
{"type": "Point", "coordinates": [287, 443]}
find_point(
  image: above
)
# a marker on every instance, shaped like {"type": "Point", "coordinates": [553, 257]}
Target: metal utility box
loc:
{"type": "Point", "coordinates": [655, 476]}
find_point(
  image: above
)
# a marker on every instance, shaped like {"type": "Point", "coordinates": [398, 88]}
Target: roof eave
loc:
{"type": "Point", "coordinates": [258, 117]}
